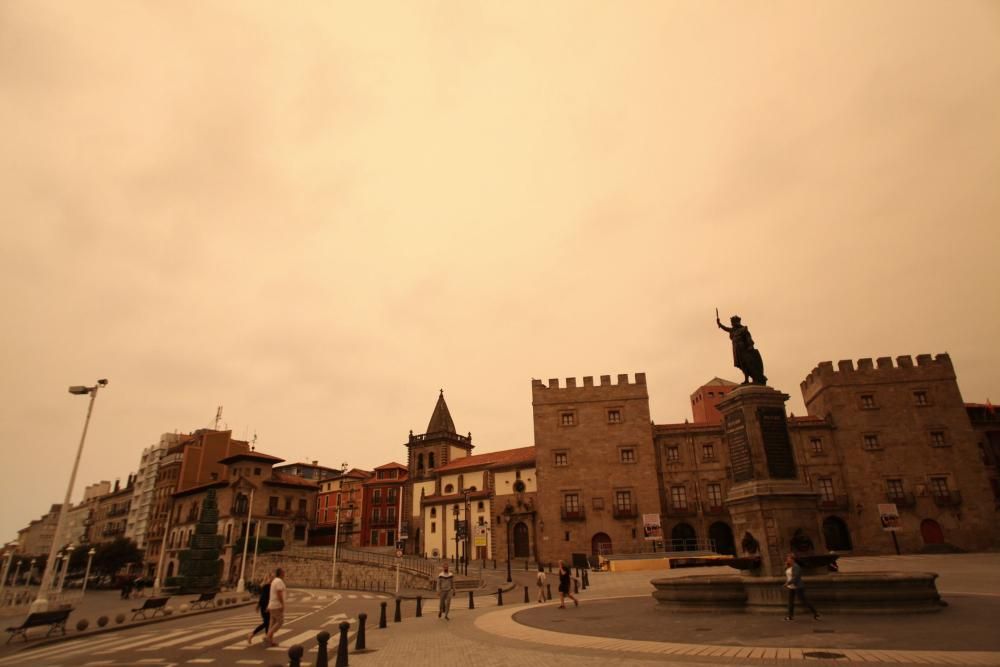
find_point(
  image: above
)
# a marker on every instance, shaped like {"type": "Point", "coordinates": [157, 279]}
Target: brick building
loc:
{"type": "Point", "coordinates": [382, 500]}
{"type": "Point", "coordinates": [110, 515]}
{"type": "Point", "coordinates": [345, 491]}
{"type": "Point", "coordinates": [596, 465]}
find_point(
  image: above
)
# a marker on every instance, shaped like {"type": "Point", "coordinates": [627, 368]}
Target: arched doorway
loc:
{"type": "Point", "coordinates": [836, 535]}
{"type": "Point", "coordinates": [600, 544]}
{"type": "Point", "coordinates": [521, 547]}
{"type": "Point", "coordinates": [722, 535]}
{"type": "Point", "coordinates": [683, 538]}
{"type": "Point", "coordinates": [931, 531]}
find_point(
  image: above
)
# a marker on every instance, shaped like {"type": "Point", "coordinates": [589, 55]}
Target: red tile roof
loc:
{"type": "Point", "coordinates": [503, 458]}
{"type": "Point", "coordinates": [285, 479]}
{"type": "Point", "coordinates": [388, 466]}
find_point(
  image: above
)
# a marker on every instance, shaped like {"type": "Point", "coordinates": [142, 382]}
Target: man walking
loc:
{"type": "Point", "coordinates": [446, 590]}
{"type": "Point", "coordinates": [276, 605]}
{"type": "Point", "coordinates": [793, 582]}
{"type": "Point", "coordinates": [263, 599]}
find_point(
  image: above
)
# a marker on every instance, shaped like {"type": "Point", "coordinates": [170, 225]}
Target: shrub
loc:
{"type": "Point", "coordinates": [102, 621]}
{"type": "Point", "coordinates": [82, 624]}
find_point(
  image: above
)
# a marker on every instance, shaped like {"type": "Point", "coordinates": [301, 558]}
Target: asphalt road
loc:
{"type": "Point", "coordinates": [220, 638]}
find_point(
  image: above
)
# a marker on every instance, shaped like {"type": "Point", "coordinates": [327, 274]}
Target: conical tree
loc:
{"type": "Point", "coordinates": [199, 564]}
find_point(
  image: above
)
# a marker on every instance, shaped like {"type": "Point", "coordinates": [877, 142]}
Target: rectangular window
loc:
{"type": "Point", "coordinates": [302, 505]}
{"type": "Point", "coordinates": [627, 454]}
{"type": "Point", "coordinates": [868, 401]}
{"type": "Point", "coordinates": [571, 502]}
{"type": "Point", "coordinates": [561, 459]}
{"type": "Point", "coordinates": [708, 452]}
{"type": "Point", "coordinates": [826, 490]}
{"type": "Point", "coordinates": [390, 537]}
{"type": "Point", "coordinates": [376, 516]}
{"type": "Point", "coordinates": [939, 487]}
{"type": "Point", "coordinates": [920, 398]}
{"type": "Point", "coordinates": [567, 418]}
{"type": "Point", "coordinates": [390, 514]}
{"type": "Point", "coordinates": [870, 441]}
{"type": "Point", "coordinates": [673, 454]}
{"type": "Point", "coordinates": [614, 416]}
{"type": "Point", "coordinates": [678, 497]}
{"type": "Point", "coordinates": [434, 527]}
{"type": "Point", "coordinates": [377, 497]}
{"type": "Point", "coordinates": [937, 439]}
{"type": "Point", "coordinates": [390, 496]}
{"type": "Point", "coordinates": [275, 530]}
{"type": "Point", "coordinates": [894, 488]}
{"type": "Point", "coordinates": [817, 445]}
{"type": "Point", "coordinates": [374, 538]}
{"type": "Point", "coordinates": [623, 501]}
{"type": "Point", "coordinates": [715, 495]}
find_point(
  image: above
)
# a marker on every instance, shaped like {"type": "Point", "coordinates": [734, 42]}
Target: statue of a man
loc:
{"type": "Point", "coordinates": [745, 356]}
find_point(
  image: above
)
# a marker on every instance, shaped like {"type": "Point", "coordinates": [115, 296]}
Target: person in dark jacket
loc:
{"type": "Point", "coordinates": [564, 590]}
{"type": "Point", "coordinates": [793, 582]}
{"type": "Point", "coordinates": [262, 600]}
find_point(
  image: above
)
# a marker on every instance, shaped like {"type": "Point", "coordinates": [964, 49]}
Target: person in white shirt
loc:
{"type": "Point", "coordinates": [446, 589]}
{"type": "Point", "coordinates": [540, 582]}
{"type": "Point", "coordinates": [276, 605]}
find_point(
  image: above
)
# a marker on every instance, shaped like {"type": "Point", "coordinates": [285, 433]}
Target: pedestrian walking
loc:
{"type": "Point", "coordinates": [564, 590]}
{"type": "Point", "coordinates": [263, 599]}
{"type": "Point", "coordinates": [793, 582]}
{"type": "Point", "coordinates": [446, 590]}
{"type": "Point", "coordinates": [276, 605]}
{"type": "Point", "coordinates": [540, 582]}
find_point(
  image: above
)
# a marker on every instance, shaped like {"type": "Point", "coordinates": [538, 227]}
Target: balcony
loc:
{"type": "Point", "coordinates": [275, 511]}
{"type": "Point", "coordinates": [625, 512]}
{"type": "Point", "coordinates": [678, 511]}
{"type": "Point", "coordinates": [713, 510]}
{"type": "Point", "coordinates": [572, 514]}
{"type": "Point", "coordinates": [834, 503]}
{"type": "Point", "coordinates": [383, 523]}
{"type": "Point", "coordinates": [948, 499]}
{"type": "Point", "coordinates": [901, 499]}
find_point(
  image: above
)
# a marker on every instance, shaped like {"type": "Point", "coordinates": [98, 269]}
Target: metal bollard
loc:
{"type": "Point", "coordinates": [359, 644]}
{"type": "Point", "coordinates": [420, 602]}
{"type": "Point", "coordinates": [499, 597]}
{"type": "Point", "coordinates": [526, 594]}
{"type": "Point", "coordinates": [472, 602]}
{"type": "Point", "coordinates": [550, 567]}
{"type": "Point", "coordinates": [295, 656]}
{"type": "Point", "coordinates": [576, 586]}
{"type": "Point", "coordinates": [398, 616]}
{"type": "Point", "coordinates": [381, 620]}
{"type": "Point", "coordinates": [342, 646]}
{"type": "Point", "coordinates": [548, 591]}
{"type": "Point", "coordinates": [586, 580]}
{"type": "Point", "coordinates": [322, 658]}
{"type": "Point", "coordinates": [525, 564]}
{"type": "Point", "coordinates": [494, 563]}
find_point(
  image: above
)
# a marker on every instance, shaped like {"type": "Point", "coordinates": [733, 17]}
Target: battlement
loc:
{"type": "Point", "coordinates": [542, 391]}
{"type": "Point", "coordinates": [928, 367]}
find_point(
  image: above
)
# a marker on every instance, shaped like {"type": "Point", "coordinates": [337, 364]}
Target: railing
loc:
{"type": "Point", "coordinates": [413, 563]}
{"type": "Point", "coordinates": [901, 499]}
{"type": "Point", "coordinates": [572, 515]}
{"type": "Point", "coordinates": [713, 509]}
{"type": "Point", "coordinates": [383, 523]}
{"type": "Point", "coordinates": [948, 499]}
{"type": "Point", "coordinates": [834, 503]}
{"type": "Point", "coordinates": [274, 511]}
{"type": "Point", "coordinates": [625, 512]}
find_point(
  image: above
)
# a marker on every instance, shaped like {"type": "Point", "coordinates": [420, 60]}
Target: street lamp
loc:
{"type": "Point", "coordinates": [55, 577]}
{"type": "Point", "coordinates": [336, 540]}
{"type": "Point", "coordinates": [6, 570]}
{"type": "Point", "coordinates": [458, 562]}
{"type": "Point", "coordinates": [468, 529]}
{"type": "Point", "coordinates": [241, 584]}
{"type": "Point", "coordinates": [17, 572]}
{"type": "Point", "coordinates": [66, 558]}
{"type": "Point", "coordinates": [31, 571]}
{"type": "Point", "coordinates": [41, 603]}
{"type": "Point", "coordinates": [90, 558]}
{"type": "Point", "coordinates": [508, 514]}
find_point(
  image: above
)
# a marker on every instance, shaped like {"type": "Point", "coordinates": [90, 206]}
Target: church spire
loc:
{"type": "Point", "coordinates": [441, 421]}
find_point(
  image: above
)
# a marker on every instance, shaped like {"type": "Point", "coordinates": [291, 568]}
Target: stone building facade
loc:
{"type": "Point", "coordinates": [596, 465]}
{"type": "Point", "coordinates": [110, 516]}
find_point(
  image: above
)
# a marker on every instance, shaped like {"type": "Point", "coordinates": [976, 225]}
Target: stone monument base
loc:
{"type": "Point", "coordinates": [855, 593]}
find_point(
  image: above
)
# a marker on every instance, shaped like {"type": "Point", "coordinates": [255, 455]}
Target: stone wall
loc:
{"type": "Point", "coordinates": [315, 572]}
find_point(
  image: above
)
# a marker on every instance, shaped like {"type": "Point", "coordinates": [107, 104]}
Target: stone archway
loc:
{"type": "Point", "coordinates": [521, 546]}
{"type": "Point", "coordinates": [600, 544]}
{"type": "Point", "coordinates": [836, 535]}
{"type": "Point", "coordinates": [683, 538]}
{"type": "Point", "coordinates": [931, 532]}
{"type": "Point", "coordinates": [722, 535]}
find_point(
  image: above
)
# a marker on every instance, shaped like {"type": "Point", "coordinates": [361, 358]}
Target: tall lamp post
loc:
{"type": "Point", "coordinates": [6, 570]}
{"type": "Point", "coordinates": [256, 545]}
{"type": "Point", "coordinates": [336, 540]}
{"type": "Point", "coordinates": [241, 584]}
{"type": "Point", "coordinates": [65, 569]}
{"type": "Point", "coordinates": [17, 572]}
{"type": "Point", "coordinates": [90, 559]}
{"type": "Point", "coordinates": [158, 583]}
{"type": "Point", "coordinates": [468, 530]}
{"type": "Point", "coordinates": [508, 514]}
{"type": "Point", "coordinates": [41, 603]}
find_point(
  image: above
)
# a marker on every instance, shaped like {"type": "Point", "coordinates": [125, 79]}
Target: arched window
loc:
{"type": "Point", "coordinates": [430, 460]}
{"type": "Point", "coordinates": [434, 512]}
{"type": "Point", "coordinates": [449, 488]}
{"type": "Point", "coordinates": [480, 506]}
{"type": "Point", "coordinates": [420, 461]}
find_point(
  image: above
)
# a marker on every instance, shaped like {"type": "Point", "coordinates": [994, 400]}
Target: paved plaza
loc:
{"type": "Point", "coordinates": [616, 624]}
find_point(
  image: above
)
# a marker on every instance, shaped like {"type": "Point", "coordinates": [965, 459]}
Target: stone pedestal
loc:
{"type": "Point", "coordinates": [773, 511]}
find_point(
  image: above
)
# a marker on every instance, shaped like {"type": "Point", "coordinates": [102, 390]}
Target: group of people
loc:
{"type": "Point", "coordinates": [271, 605]}
{"type": "Point", "coordinates": [446, 588]}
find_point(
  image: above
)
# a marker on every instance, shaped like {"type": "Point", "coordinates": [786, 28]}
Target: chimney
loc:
{"type": "Point", "coordinates": [117, 485]}
{"type": "Point", "coordinates": [315, 463]}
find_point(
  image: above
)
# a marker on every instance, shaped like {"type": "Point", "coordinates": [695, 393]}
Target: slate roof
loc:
{"type": "Point", "coordinates": [441, 421]}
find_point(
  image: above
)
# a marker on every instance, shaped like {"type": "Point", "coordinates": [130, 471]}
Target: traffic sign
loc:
{"type": "Point", "coordinates": [399, 553]}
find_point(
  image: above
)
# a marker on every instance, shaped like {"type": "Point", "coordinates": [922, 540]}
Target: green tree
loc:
{"type": "Point", "coordinates": [111, 557]}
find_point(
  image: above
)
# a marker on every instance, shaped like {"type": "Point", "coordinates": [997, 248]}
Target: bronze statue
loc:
{"type": "Point", "coordinates": [745, 356]}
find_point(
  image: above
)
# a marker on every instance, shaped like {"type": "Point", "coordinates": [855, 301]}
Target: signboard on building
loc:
{"type": "Point", "coordinates": [889, 517]}
{"type": "Point", "coordinates": [651, 529]}
{"type": "Point", "coordinates": [460, 529]}
{"type": "Point", "coordinates": [480, 537]}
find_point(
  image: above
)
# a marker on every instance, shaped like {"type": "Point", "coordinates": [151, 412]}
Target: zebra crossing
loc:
{"type": "Point", "coordinates": [228, 635]}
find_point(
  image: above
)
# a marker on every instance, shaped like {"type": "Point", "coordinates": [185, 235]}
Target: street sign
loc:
{"type": "Point", "coordinates": [481, 532]}
{"type": "Point", "coordinates": [399, 553]}
{"type": "Point", "coordinates": [888, 516]}
{"type": "Point", "coordinates": [651, 529]}
{"type": "Point", "coordinates": [460, 529]}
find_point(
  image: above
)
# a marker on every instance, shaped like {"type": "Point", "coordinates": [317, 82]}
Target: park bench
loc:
{"type": "Point", "coordinates": [55, 619]}
{"type": "Point", "coordinates": [155, 605]}
{"type": "Point", "coordinates": [204, 600]}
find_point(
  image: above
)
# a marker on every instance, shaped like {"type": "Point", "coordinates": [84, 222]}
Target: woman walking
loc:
{"type": "Point", "coordinates": [793, 582]}
{"type": "Point", "coordinates": [262, 600]}
{"type": "Point", "coordinates": [564, 577]}
{"type": "Point", "coordinates": [540, 582]}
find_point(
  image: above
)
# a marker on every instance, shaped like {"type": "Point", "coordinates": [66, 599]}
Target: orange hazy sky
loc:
{"type": "Point", "coordinates": [317, 214]}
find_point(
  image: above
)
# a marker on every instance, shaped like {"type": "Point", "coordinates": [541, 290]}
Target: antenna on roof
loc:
{"type": "Point", "coordinates": [218, 417]}
{"type": "Point", "coordinates": [253, 445]}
